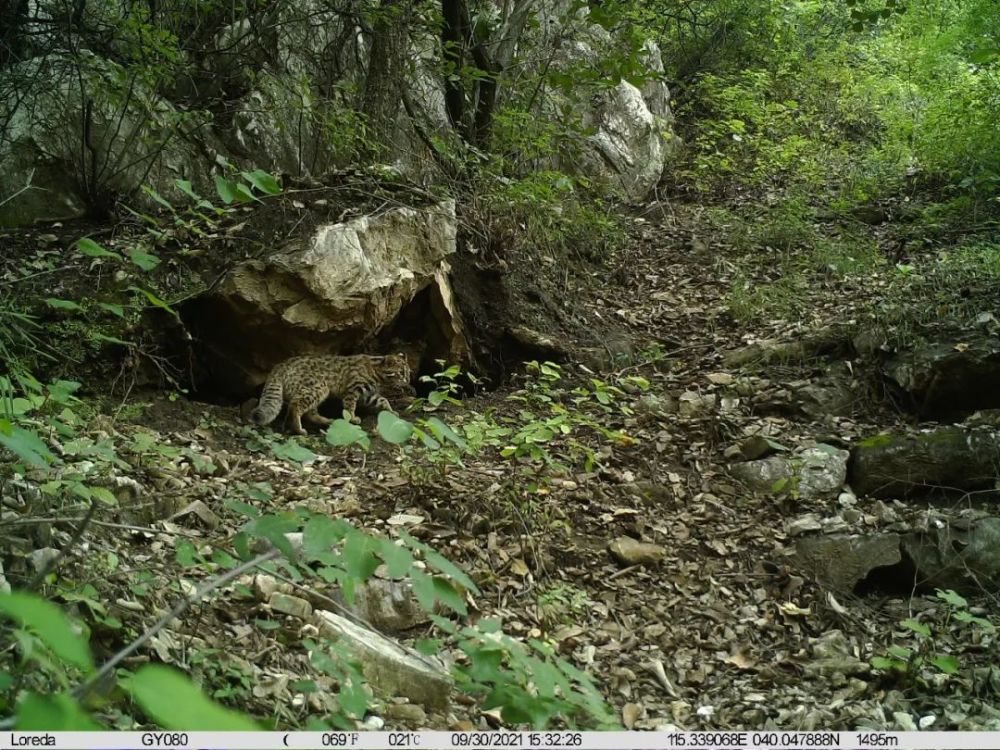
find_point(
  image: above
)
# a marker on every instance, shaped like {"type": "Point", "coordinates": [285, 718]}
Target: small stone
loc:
{"type": "Point", "coordinates": [904, 721]}
{"type": "Point", "coordinates": [42, 558]}
{"type": "Point", "coordinates": [803, 525]}
{"type": "Point", "coordinates": [926, 721]}
{"type": "Point", "coordinates": [850, 515]}
{"type": "Point", "coordinates": [410, 714]}
{"type": "Point", "coordinates": [266, 585]}
{"type": "Point", "coordinates": [629, 551]}
{"type": "Point", "coordinates": [290, 605]}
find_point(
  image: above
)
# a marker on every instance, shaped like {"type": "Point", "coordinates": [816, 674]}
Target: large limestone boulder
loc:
{"type": "Point", "coordinates": [946, 459]}
{"type": "Point", "coordinates": [632, 140]}
{"type": "Point", "coordinates": [344, 287]}
{"type": "Point", "coordinates": [949, 378]}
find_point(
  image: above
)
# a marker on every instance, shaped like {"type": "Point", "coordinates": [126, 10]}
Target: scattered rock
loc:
{"type": "Point", "coordinates": [819, 471]}
{"type": "Point", "coordinates": [410, 714]}
{"type": "Point", "coordinates": [960, 459]}
{"type": "Point", "coordinates": [199, 510]}
{"type": "Point", "coordinates": [42, 558]}
{"type": "Point", "coordinates": [834, 655]}
{"type": "Point", "coordinates": [841, 561]}
{"type": "Point", "coordinates": [962, 555]}
{"type": "Point", "coordinates": [758, 446]}
{"type": "Point", "coordinates": [949, 378]}
{"type": "Point", "coordinates": [389, 606]}
{"type": "Point", "coordinates": [265, 585]}
{"type": "Point", "coordinates": [388, 668]}
{"type": "Point", "coordinates": [290, 605]}
{"type": "Point", "coordinates": [692, 403]}
{"type": "Point", "coordinates": [629, 551]}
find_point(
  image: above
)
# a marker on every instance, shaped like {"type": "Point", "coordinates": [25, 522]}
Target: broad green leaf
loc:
{"type": "Point", "coordinates": [342, 432]}
{"type": "Point", "coordinates": [153, 299]}
{"type": "Point", "coordinates": [92, 249]}
{"type": "Point", "coordinates": [917, 627]}
{"type": "Point", "coordinates": [321, 534]}
{"type": "Point", "coordinates": [449, 596]}
{"type": "Point", "coordinates": [112, 308]}
{"type": "Point", "coordinates": [263, 181]}
{"type": "Point", "coordinates": [173, 701]}
{"type": "Point", "coordinates": [951, 597]}
{"type": "Point", "coordinates": [359, 555]}
{"type": "Point", "coordinates": [185, 187]}
{"type": "Point", "coordinates": [53, 713]}
{"type": "Point", "coordinates": [446, 566]}
{"type": "Point", "coordinates": [25, 444]}
{"type": "Point", "coordinates": [273, 528]}
{"type": "Point", "coordinates": [945, 662]}
{"type": "Point", "coordinates": [392, 429]}
{"type": "Point", "coordinates": [62, 304]}
{"type": "Point", "coordinates": [292, 451]}
{"type": "Point", "coordinates": [226, 189]}
{"type": "Point", "coordinates": [145, 261]}
{"type": "Point", "coordinates": [104, 495]}
{"type": "Point", "coordinates": [157, 197]}
{"type": "Point", "coordinates": [881, 662]}
{"type": "Point", "coordinates": [441, 430]}
{"type": "Point", "coordinates": [398, 559]}
{"type": "Point", "coordinates": [244, 194]}
{"type": "Point", "coordinates": [51, 626]}
{"type": "Point", "coordinates": [900, 652]}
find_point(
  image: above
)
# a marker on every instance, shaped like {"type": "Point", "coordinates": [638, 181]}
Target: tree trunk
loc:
{"type": "Point", "coordinates": [384, 81]}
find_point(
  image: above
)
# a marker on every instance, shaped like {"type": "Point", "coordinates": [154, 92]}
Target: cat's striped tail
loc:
{"type": "Point", "coordinates": [270, 402]}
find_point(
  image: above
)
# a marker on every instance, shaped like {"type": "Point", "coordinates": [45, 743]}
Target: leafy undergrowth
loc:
{"type": "Point", "coordinates": [524, 488]}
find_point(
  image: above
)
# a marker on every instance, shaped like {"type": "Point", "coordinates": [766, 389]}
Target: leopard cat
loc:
{"type": "Point", "coordinates": [306, 382]}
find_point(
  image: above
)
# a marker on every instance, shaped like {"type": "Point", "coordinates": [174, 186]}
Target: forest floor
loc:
{"type": "Point", "coordinates": [716, 630]}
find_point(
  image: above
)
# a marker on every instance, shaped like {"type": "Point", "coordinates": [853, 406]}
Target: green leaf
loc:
{"type": "Point", "coordinates": [25, 444]}
{"type": "Point", "coordinates": [145, 261]}
{"type": "Point", "coordinates": [881, 662]}
{"type": "Point", "coordinates": [263, 181]}
{"type": "Point", "coordinates": [153, 299]}
{"type": "Point", "coordinates": [441, 430]}
{"type": "Point", "coordinates": [185, 187]}
{"type": "Point", "coordinates": [952, 598]}
{"type": "Point", "coordinates": [104, 495]}
{"type": "Point", "coordinates": [917, 627]}
{"type": "Point", "coordinates": [342, 432]}
{"type": "Point", "coordinates": [398, 559]}
{"type": "Point", "coordinates": [392, 429]}
{"type": "Point", "coordinates": [62, 304]}
{"type": "Point", "coordinates": [112, 308]}
{"type": "Point", "coordinates": [945, 662]}
{"type": "Point", "coordinates": [321, 534]}
{"type": "Point", "coordinates": [92, 249]}
{"type": "Point", "coordinates": [55, 713]}
{"type": "Point", "coordinates": [900, 652]}
{"type": "Point", "coordinates": [273, 528]}
{"type": "Point", "coordinates": [173, 701]}
{"type": "Point", "coordinates": [51, 626]}
{"type": "Point", "coordinates": [446, 566]}
{"type": "Point", "coordinates": [359, 555]}
{"type": "Point", "coordinates": [226, 189]}
{"type": "Point", "coordinates": [157, 197]}
{"type": "Point", "coordinates": [244, 194]}
{"type": "Point", "coordinates": [292, 451]}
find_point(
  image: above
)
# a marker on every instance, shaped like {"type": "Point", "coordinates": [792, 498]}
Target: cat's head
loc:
{"type": "Point", "coordinates": [396, 367]}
